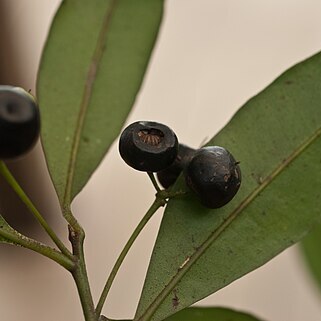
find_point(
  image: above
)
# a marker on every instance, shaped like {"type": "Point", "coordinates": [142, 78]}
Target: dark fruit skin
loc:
{"type": "Point", "coordinates": [19, 122]}
{"type": "Point", "coordinates": [214, 176]}
{"type": "Point", "coordinates": [169, 175]}
{"type": "Point", "coordinates": [148, 146]}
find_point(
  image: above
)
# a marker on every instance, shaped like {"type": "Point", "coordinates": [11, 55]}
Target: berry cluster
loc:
{"type": "Point", "coordinates": [19, 122]}
{"type": "Point", "coordinates": [210, 172]}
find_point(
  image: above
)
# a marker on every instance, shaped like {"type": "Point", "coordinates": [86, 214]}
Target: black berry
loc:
{"type": "Point", "coordinates": [148, 146]}
{"type": "Point", "coordinates": [214, 175]}
{"type": "Point", "coordinates": [19, 122]}
{"type": "Point", "coordinates": [169, 175]}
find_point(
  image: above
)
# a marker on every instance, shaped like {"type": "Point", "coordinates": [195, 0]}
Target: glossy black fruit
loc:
{"type": "Point", "coordinates": [19, 122]}
{"type": "Point", "coordinates": [148, 146]}
{"type": "Point", "coordinates": [169, 175]}
{"type": "Point", "coordinates": [214, 175]}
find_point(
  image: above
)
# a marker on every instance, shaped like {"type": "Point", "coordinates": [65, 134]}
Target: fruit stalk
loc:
{"type": "Point", "coordinates": [25, 199]}
{"type": "Point", "coordinates": [159, 202]}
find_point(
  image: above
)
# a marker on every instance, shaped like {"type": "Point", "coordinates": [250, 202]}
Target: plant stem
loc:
{"type": "Point", "coordinates": [71, 220]}
{"type": "Point", "coordinates": [159, 202]}
{"type": "Point", "coordinates": [25, 199]}
{"type": "Point", "coordinates": [31, 244]}
{"type": "Point", "coordinates": [168, 194]}
{"type": "Point", "coordinates": [153, 179]}
{"type": "Point", "coordinates": [80, 275]}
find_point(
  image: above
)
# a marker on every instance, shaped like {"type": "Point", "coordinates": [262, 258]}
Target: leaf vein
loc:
{"type": "Point", "coordinates": [88, 89]}
{"type": "Point", "coordinates": [199, 251]}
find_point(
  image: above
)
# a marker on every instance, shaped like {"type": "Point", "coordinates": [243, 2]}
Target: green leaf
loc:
{"type": "Point", "coordinates": [311, 249]}
{"type": "Point", "coordinates": [276, 137]}
{"type": "Point", "coordinates": [91, 70]}
{"type": "Point", "coordinates": [204, 314]}
{"type": "Point", "coordinates": [210, 314]}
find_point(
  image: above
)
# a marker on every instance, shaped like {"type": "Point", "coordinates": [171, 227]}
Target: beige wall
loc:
{"type": "Point", "coordinates": [211, 57]}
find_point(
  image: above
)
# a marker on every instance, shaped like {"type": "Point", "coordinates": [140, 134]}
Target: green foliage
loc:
{"type": "Point", "coordinates": [276, 137]}
{"type": "Point", "coordinates": [91, 70]}
{"type": "Point", "coordinates": [210, 314]}
{"type": "Point", "coordinates": [312, 253]}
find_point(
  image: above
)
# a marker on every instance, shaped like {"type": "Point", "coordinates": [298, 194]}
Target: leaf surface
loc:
{"type": "Point", "coordinates": [210, 314]}
{"type": "Point", "coordinates": [312, 252]}
{"type": "Point", "coordinates": [276, 137]}
{"type": "Point", "coordinates": [91, 70]}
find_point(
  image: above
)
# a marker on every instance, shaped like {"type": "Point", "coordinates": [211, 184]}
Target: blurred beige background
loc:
{"type": "Point", "coordinates": [210, 58]}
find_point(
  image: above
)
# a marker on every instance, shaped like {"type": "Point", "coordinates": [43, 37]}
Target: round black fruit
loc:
{"type": "Point", "coordinates": [214, 175]}
{"type": "Point", "coordinates": [19, 122]}
{"type": "Point", "coordinates": [148, 146]}
{"type": "Point", "coordinates": [169, 175]}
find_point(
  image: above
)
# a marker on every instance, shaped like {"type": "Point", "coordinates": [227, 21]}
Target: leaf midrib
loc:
{"type": "Point", "coordinates": [87, 93]}
{"type": "Point", "coordinates": [188, 263]}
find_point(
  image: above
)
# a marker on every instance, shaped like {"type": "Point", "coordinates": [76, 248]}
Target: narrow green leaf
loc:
{"type": "Point", "coordinates": [91, 70]}
{"type": "Point", "coordinates": [210, 314]}
{"type": "Point", "coordinates": [312, 252]}
{"type": "Point", "coordinates": [276, 137]}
